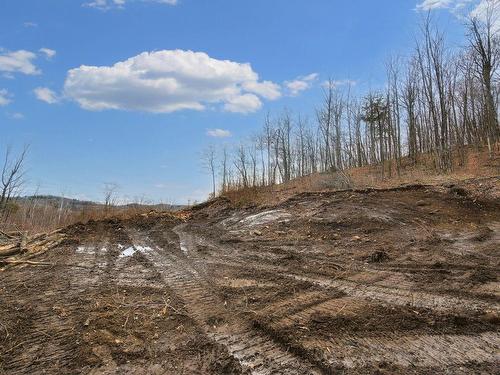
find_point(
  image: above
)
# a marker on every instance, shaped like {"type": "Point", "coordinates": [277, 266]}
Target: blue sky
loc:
{"type": "Point", "coordinates": [132, 91]}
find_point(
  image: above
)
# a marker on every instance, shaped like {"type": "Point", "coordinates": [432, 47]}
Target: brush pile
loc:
{"type": "Point", "coordinates": [19, 247]}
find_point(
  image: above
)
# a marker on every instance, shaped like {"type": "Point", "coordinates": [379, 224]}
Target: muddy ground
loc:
{"type": "Point", "coordinates": [401, 281]}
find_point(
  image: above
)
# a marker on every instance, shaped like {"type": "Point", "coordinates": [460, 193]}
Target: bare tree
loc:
{"type": "Point", "coordinates": [375, 111]}
{"type": "Point", "coordinates": [435, 76]}
{"type": "Point", "coordinates": [241, 164]}
{"type": "Point", "coordinates": [224, 168]}
{"type": "Point", "coordinates": [209, 159]}
{"type": "Point", "coordinates": [325, 121]}
{"type": "Point", "coordinates": [409, 97]}
{"type": "Point", "coordinates": [13, 176]}
{"type": "Point", "coordinates": [109, 190]}
{"type": "Point", "coordinates": [484, 42]}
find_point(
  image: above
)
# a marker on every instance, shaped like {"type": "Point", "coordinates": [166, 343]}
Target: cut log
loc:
{"type": "Point", "coordinates": [9, 250]}
{"type": "Point", "coordinates": [22, 248]}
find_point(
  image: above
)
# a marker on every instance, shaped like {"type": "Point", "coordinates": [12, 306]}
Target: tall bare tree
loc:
{"type": "Point", "coordinates": [209, 160]}
{"type": "Point", "coordinates": [484, 42]}
{"type": "Point", "coordinates": [13, 176]}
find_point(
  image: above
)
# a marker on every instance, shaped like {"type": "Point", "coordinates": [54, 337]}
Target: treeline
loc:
{"type": "Point", "coordinates": [435, 102]}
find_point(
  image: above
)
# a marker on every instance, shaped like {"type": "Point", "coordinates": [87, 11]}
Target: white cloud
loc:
{"type": "Point", "coordinates": [30, 24]}
{"type": "Point", "coordinates": [49, 53]}
{"type": "Point", "coordinates": [46, 95]}
{"type": "Point", "coordinates": [168, 81]}
{"type": "Point", "coordinates": [218, 133]}
{"type": "Point", "coordinates": [434, 4]}
{"type": "Point", "coordinates": [110, 4]}
{"type": "Point", "coordinates": [301, 83]}
{"type": "Point", "coordinates": [4, 97]}
{"type": "Point", "coordinates": [245, 103]}
{"type": "Point", "coordinates": [466, 8]}
{"type": "Point", "coordinates": [266, 89]}
{"type": "Point", "coordinates": [18, 62]}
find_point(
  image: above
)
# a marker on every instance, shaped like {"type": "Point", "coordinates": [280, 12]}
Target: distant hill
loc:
{"type": "Point", "coordinates": [76, 204]}
{"type": "Point", "coordinates": [57, 201]}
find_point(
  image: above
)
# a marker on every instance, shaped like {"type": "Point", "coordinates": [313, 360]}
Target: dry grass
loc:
{"type": "Point", "coordinates": [45, 217]}
{"type": "Point", "coordinates": [477, 163]}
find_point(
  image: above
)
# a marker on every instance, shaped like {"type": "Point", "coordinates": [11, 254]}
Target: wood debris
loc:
{"type": "Point", "coordinates": [18, 247]}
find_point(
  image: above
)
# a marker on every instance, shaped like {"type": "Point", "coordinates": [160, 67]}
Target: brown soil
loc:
{"type": "Point", "coordinates": [396, 281]}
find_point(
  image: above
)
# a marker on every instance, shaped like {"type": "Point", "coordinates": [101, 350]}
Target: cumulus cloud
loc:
{"type": "Point", "coordinates": [49, 53]}
{"type": "Point", "coordinates": [18, 62]}
{"type": "Point", "coordinates": [168, 81]}
{"type": "Point", "coordinates": [266, 89]}
{"type": "Point", "coordinates": [299, 84]}
{"type": "Point", "coordinates": [245, 103]}
{"type": "Point", "coordinates": [46, 95]}
{"type": "Point", "coordinates": [218, 133]}
{"type": "Point", "coordinates": [4, 97]}
{"type": "Point", "coordinates": [110, 4]}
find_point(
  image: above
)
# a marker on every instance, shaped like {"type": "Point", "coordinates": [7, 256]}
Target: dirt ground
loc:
{"type": "Point", "coordinates": [396, 281]}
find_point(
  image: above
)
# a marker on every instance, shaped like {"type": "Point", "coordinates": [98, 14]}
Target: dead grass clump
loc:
{"type": "Point", "coordinates": [245, 197]}
{"type": "Point", "coordinates": [45, 217]}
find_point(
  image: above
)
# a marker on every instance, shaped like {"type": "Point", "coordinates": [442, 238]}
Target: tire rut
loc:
{"type": "Point", "coordinates": [384, 294]}
{"type": "Point", "coordinates": [411, 351]}
{"type": "Point", "coordinates": [436, 302]}
{"type": "Point", "coordinates": [254, 350]}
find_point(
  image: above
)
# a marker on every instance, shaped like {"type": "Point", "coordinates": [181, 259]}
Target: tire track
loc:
{"type": "Point", "coordinates": [355, 350]}
{"type": "Point", "coordinates": [436, 302]}
{"type": "Point", "coordinates": [254, 350]}
{"type": "Point", "coordinates": [383, 293]}
{"type": "Point", "coordinates": [410, 351]}
{"type": "Point", "coordinates": [51, 340]}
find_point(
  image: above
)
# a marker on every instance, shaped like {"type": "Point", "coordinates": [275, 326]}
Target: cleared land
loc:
{"type": "Point", "coordinates": [395, 281]}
